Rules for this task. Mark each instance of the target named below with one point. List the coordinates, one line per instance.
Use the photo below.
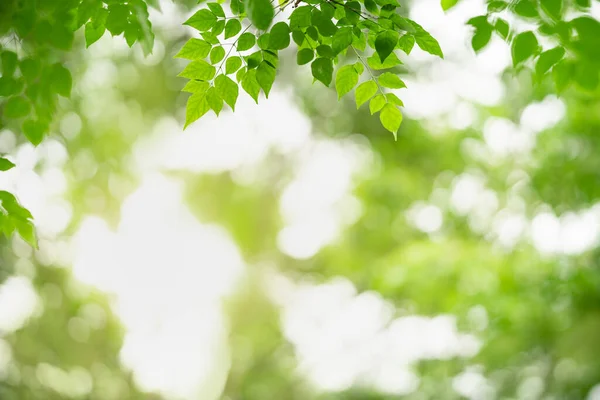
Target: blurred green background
(294, 250)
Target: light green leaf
(202, 20)
(34, 131)
(562, 74)
(305, 56)
(215, 102)
(345, 80)
(227, 89)
(218, 28)
(260, 12)
(198, 69)
(406, 43)
(424, 40)
(246, 41)
(5, 164)
(263, 41)
(194, 86)
(364, 92)
(448, 4)
(377, 103)
(279, 38)
(524, 46)
(216, 9)
(250, 84)
(197, 106)
(194, 49)
(217, 54)
(385, 43)
(232, 64)
(26, 231)
(322, 70)
(391, 61)
(392, 81)
(391, 118)
(232, 28)
(359, 67)
(393, 99)
(265, 76)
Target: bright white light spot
(465, 192)
(537, 117)
(473, 385)
(594, 393)
(18, 301)
(545, 233)
(425, 217)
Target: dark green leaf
(298, 37)
(325, 51)
(325, 26)
(547, 59)
(93, 33)
(9, 63)
(16, 107)
(553, 8)
(562, 73)
(353, 11)
(30, 68)
(322, 70)
(34, 131)
(385, 43)
(5, 164)
(300, 17)
(371, 7)
(304, 56)
(526, 8)
(263, 41)
(116, 22)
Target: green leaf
(9, 63)
(263, 41)
(216, 9)
(217, 54)
(391, 61)
(393, 99)
(364, 92)
(325, 51)
(61, 80)
(562, 74)
(254, 59)
(227, 89)
(194, 49)
(502, 28)
(260, 12)
(547, 59)
(322, 70)
(392, 81)
(298, 37)
(304, 56)
(30, 68)
(279, 38)
(342, 39)
(359, 67)
(116, 22)
(246, 41)
(372, 7)
(300, 17)
(232, 64)
(359, 41)
(526, 8)
(198, 69)
(202, 20)
(553, 8)
(448, 4)
(345, 80)
(210, 37)
(16, 107)
(240, 74)
(215, 102)
(406, 43)
(232, 28)
(586, 75)
(312, 33)
(265, 76)
(9, 86)
(425, 41)
(250, 84)
(194, 86)
(237, 7)
(26, 231)
(353, 11)
(218, 27)
(391, 118)
(93, 32)
(197, 106)
(496, 6)
(524, 46)
(34, 131)
(271, 58)
(377, 103)
(5, 164)
(323, 23)
(385, 43)
(482, 36)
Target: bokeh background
(294, 250)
